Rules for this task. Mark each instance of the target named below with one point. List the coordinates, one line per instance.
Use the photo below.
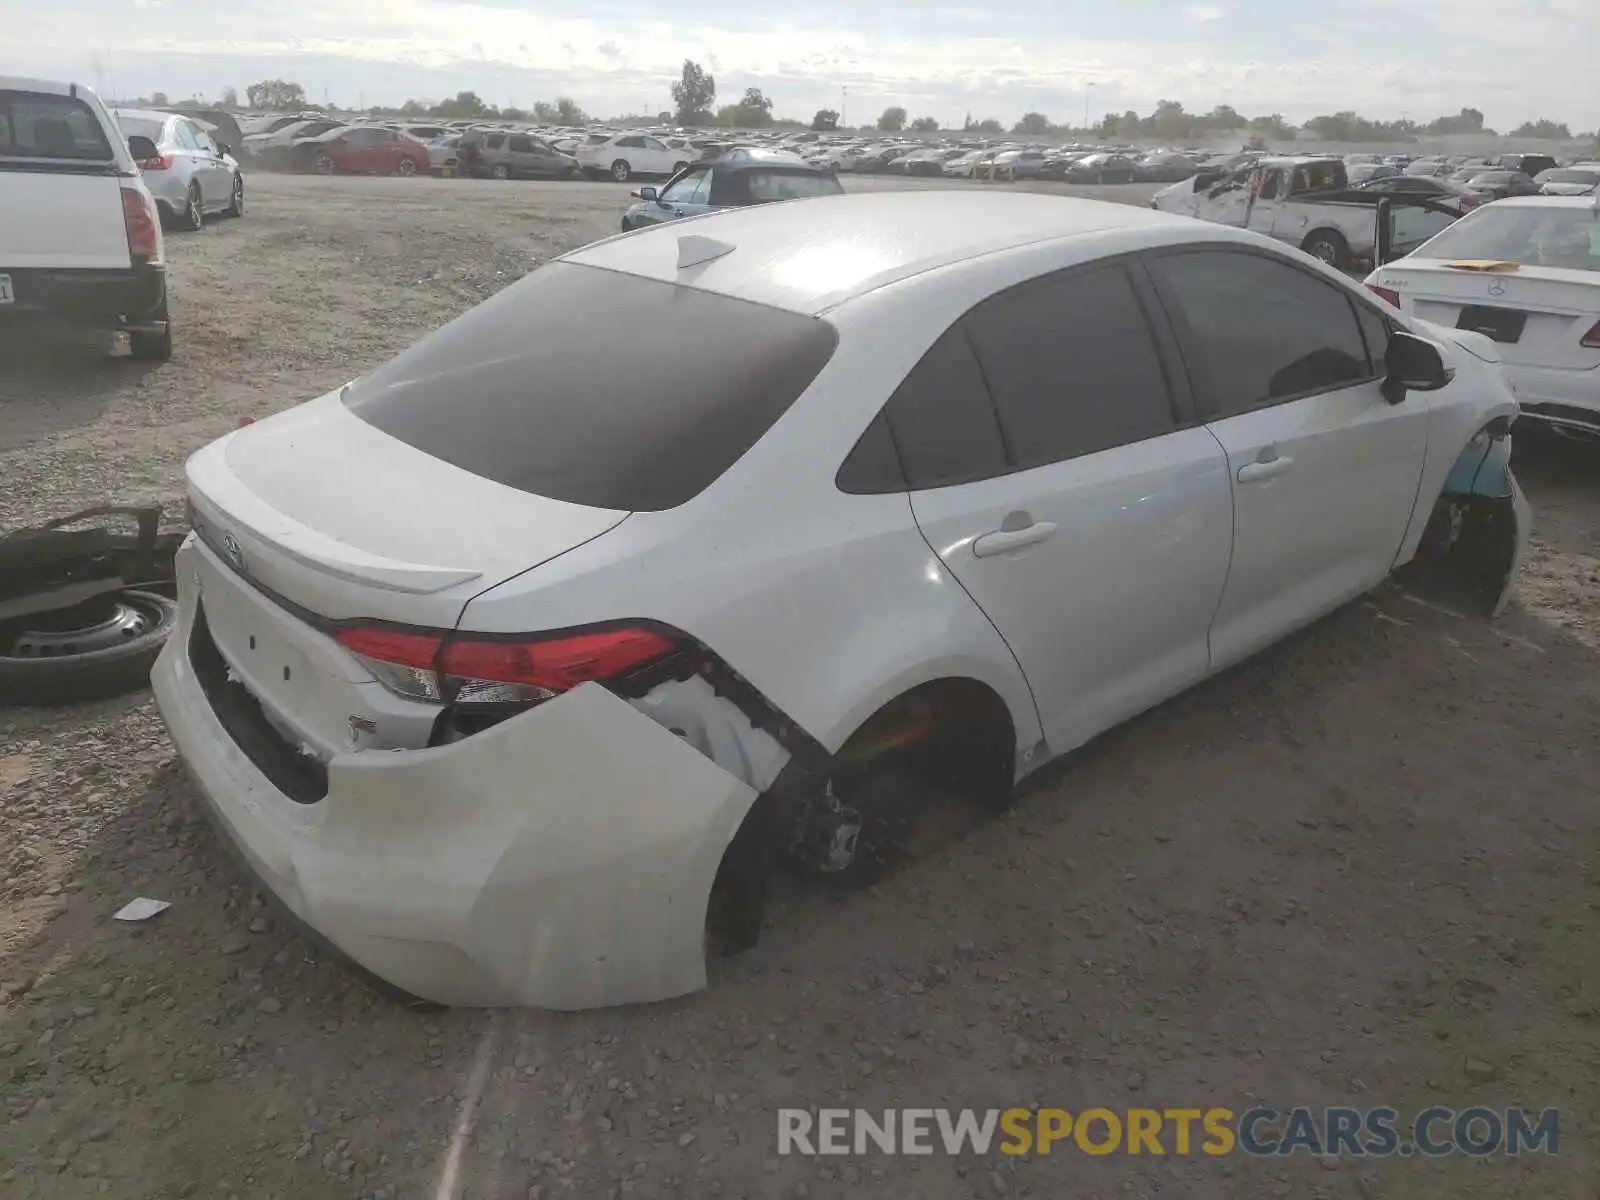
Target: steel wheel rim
(129, 619)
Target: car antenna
(694, 250)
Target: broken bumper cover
(562, 859)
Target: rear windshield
(38, 125)
(1535, 235)
(140, 127)
(597, 387)
(1569, 175)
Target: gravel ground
(1359, 869)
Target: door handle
(1251, 472)
(1003, 540)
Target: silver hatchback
(191, 174)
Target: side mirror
(1413, 364)
(142, 148)
(224, 148)
(648, 195)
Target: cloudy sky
(1513, 59)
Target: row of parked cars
(1477, 177)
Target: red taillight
(1592, 338)
(139, 219)
(412, 663)
(161, 162)
(1388, 295)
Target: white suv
(625, 155)
(80, 237)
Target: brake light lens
(140, 222)
(1387, 295)
(1592, 338)
(475, 670)
(161, 162)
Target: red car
(364, 150)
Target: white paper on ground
(140, 909)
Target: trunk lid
(1558, 306)
(332, 515)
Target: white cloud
(1514, 59)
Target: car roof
(803, 257)
(1584, 202)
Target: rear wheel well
(956, 733)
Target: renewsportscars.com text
(1258, 1132)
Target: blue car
(738, 178)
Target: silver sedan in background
(191, 174)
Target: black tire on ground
(1329, 246)
(621, 171)
(324, 163)
(236, 208)
(886, 802)
(109, 671)
(153, 347)
(193, 216)
(406, 167)
(500, 171)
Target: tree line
(694, 99)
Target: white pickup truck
(1304, 201)
(80, 239)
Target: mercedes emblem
(1497, 288)
(230, 546)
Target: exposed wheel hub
(125, 621)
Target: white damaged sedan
(514, 664)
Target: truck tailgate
(62, 220)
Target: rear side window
(495, 140)
(575, 383)
(791, 185)
(1072, 366)
(943, 423)
(1263, 331)
(521, 145)
(41, 126)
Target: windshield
(38, 125)
(1568, 175)
(1535, 235)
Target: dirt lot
(1361, 869)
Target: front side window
(686, 187)
(1261, 331)
(521, 145)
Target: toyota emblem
(230, 546)
(1497, 288)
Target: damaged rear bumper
(562, 859)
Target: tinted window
(1260, 330)
(943, 422)
(535, 390)
(873, 467)
(1375, 334)
(632, 143)
(522, 145)
(1072, 366)
(36, 125)
(495, 140)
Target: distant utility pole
(844, 103)
(1088, 91)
